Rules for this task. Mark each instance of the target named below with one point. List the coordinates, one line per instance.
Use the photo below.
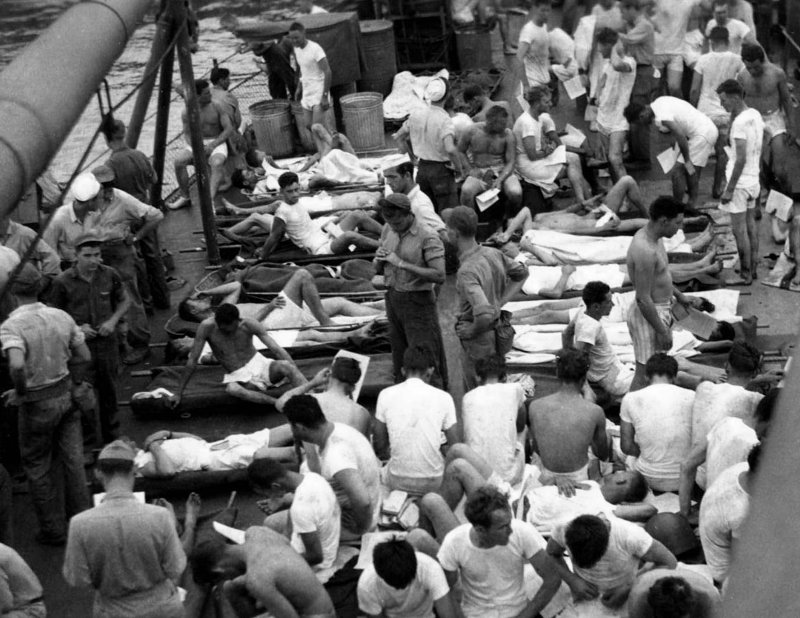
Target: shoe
(136, 356)
(179, 203)
(52, 540)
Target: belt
(430, 162)
(48, 392)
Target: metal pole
(193, 118)
(45, 89)
(162, 125)
(162, 37)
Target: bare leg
(752, 233)
(321, 336)
(339, 245)
(674, 80)
(316, 116)
(740, 233)
(341, 306)
(616, 143)
(280, 370)
(258, 221)
(280, 523)
(422, 541)
(548, 316)
(439, 516)
(471, 188)
(322, 139)
(513, 191)
(626, 188)
(231, 292)
(722, 161)
(639, 378)
(521, 222)
(183, 159)
(575, 175)
(216, 164)
(678, 176)
(300, 289)
(240, 392)
(358, 219)
(560, 287)
(693, 184)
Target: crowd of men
(524, 503)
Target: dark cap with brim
(399, 201)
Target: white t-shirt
(348, 449)
(315, 509)
(684, 115)
(415, 414)
(671, 20)
(722, 512)
(737, 31)
(713, 402)
(661, 415)
(627, 543)
(608, 18)
(749, 126)
(716, 67)
(376, 597)
(489, 414)
(729, 443)
(308, 58)
(537, 59)
(616, 94)
(548, 507)
(603, 361)
(491, 579)
(300, 229)
(528, 126)
(422, 207)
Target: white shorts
(221, 149)
(670, 62)
(744, 198)
(312, 94)
(289, 316)
(774, 125)
(255, 372)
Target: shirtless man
(650, 319)
(216, 128)
(293, 219)
(479, 104)
(248, 373)
(265, 573)
(491, 148)
(564, 425)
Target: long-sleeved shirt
(19, 237)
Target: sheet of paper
(573, 138)
(232, 534)
(780, 205)
(487, 199)
(591, 113)
(363, 362)
(574, 87)
(98, 498)
(667, 159)
(368, 543)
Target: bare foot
(193, 504)
(179, 203)
(164, 503)
(568, 269)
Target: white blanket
(407, 94)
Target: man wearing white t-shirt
(605, 553)
(410, 418)
(738, 31)
(494, 414)
(490, 553)
(533, 52)
(613, 95)
(723, 510)
(344, 458)
(402, 583)
(711, 69)
(312, 522)
(656, 425)
(742, 175)
(695, 136)
(314, 85)
(671, 21)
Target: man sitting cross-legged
(297, 306)
(248, 373)
(564, 425)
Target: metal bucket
(272, 124)
(362, 114)
(298, 112)
(379, 54)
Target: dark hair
(730, 86)
(671, 597)
(226, 314)
(497, 111)
(472, 91)
(218, 74)
(112, 128)
(661, 364)
(719, 34)
(200, 85)
(346, 369)
(629, 4)
(595, 292)
(94, 244)
(752, 52)
(482, 503)
(607, 36)
(666, 206)
(304, 410)
(633, 111)
(587, 540)
(395, 562)
(725, 331)
(264, 471)
(744, 358)
(463, 220)
(115, 466)
(287, 179)
(492, 365)
(765, 409)
(754, 458)
(204, 558)
(536, 94)
(297, 26)
(572, 365)
(417, 359)
(637, 488)
(407, 167)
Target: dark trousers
(104, 377)
(156, 274)
(6, 511)
(50, 433)
(639, 135)
(438, 181)
(123, 258)
(414, 320)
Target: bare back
(763, 93)
(648, 266)
(232, 351)
(340, 409)
(564, 427)
(274, 567)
